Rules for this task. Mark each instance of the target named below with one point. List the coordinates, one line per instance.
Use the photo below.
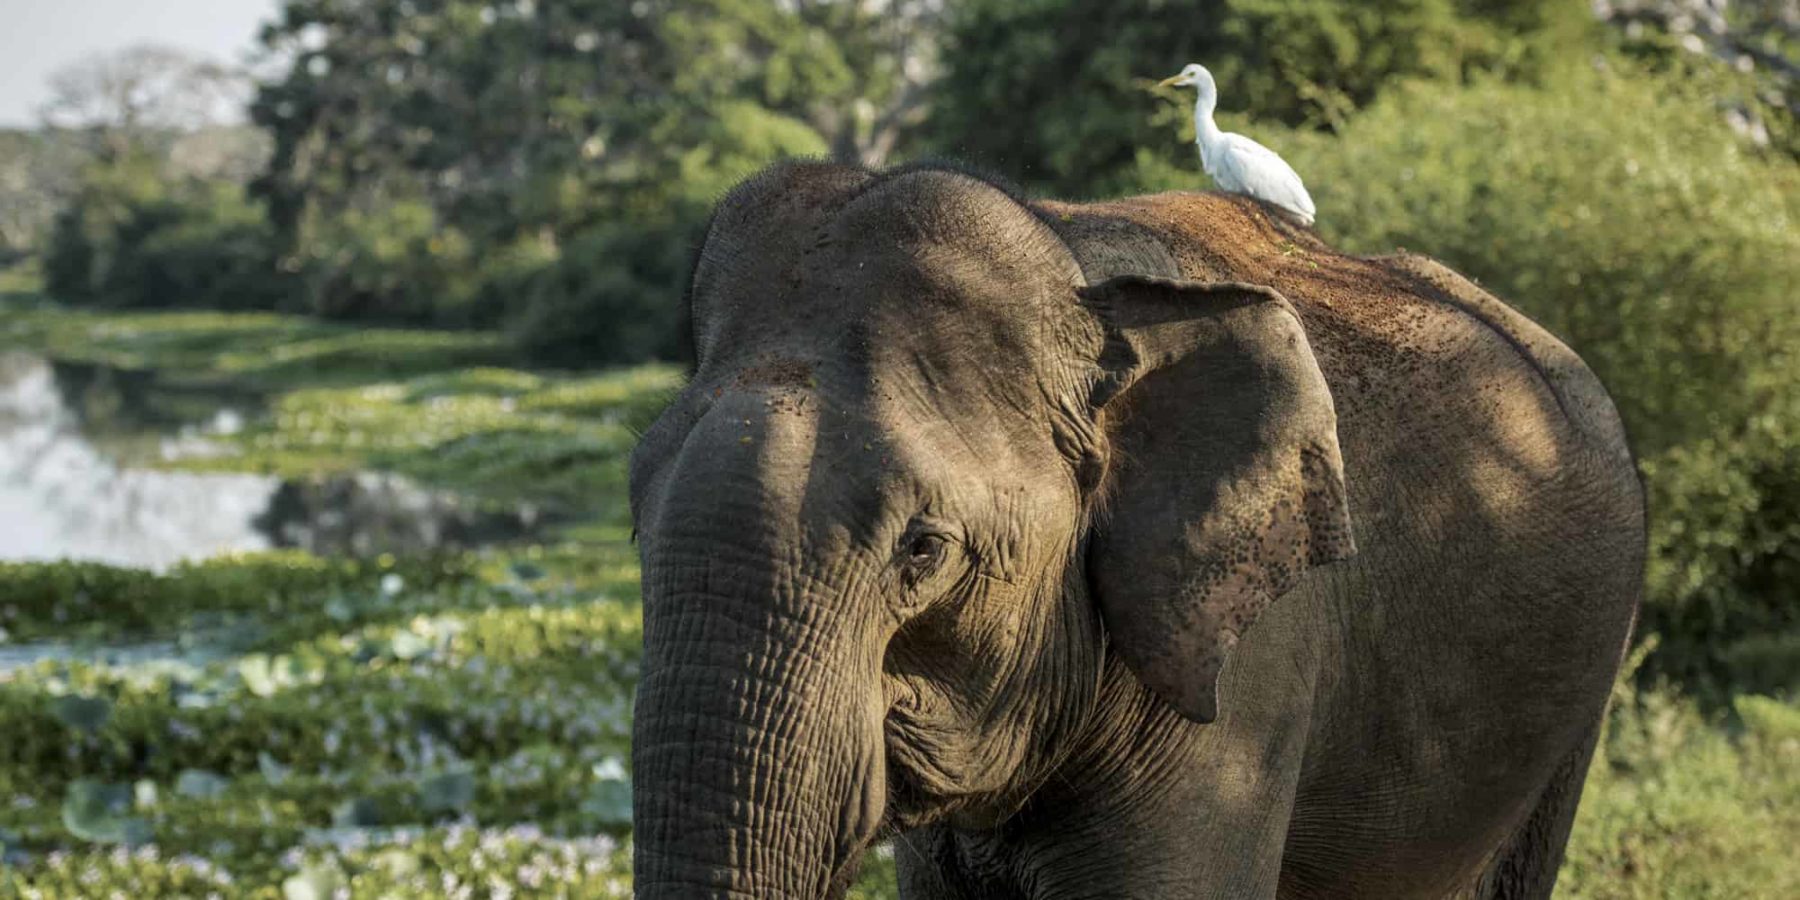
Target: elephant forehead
(962, 218)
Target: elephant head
(924, 480)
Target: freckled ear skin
(1225, 483)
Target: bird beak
(1171, 81)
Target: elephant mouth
(929, 778)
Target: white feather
(1238, 164)
(1243, 166)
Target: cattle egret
(1237, 163)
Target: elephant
(1142, 548)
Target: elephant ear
(1225, 482)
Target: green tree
(132, 236)
(1056, 93)
(471, 162)
(1618, 209)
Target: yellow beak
(1169, 81)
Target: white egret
(1237, 163)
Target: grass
(459, 726)
(340, 398)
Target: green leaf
(258, 675)
(397, 863)
(408, 646)
(85, 714)
(359, 812)
(96, 811)
(143, 793)
(609, 803)
(272, 770)
(314, 881)
(200, 784)
(449, 792)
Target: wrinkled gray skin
(959, 531)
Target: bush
(1057, 93)
(131, 238)
(393, 262)
(1621, 213)
(45, 598)
(614, 294)
(1725, 557)
(1677, 805)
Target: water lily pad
(11, 853)
(87, 714)
(450, 792)
(398, 863)
(200, 784)
(525, 571)
(98, 812)
(360, 812)
(610, 769)
(314, 881)
(609, 803)
(272, 770)
(408, 646)
(258, 675)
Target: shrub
(1020, 91)
(1621, 213)
(44, 598)
(131, 238)
(1678, 806)
(392, 262)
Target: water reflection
(74, 441)
(61, 496)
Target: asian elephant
(1146, 549)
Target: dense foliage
(278, 725)
(541, 171)
(132, 236)
(1071, 115)
(1665, 252)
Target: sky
(40, 36)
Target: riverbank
(423, 725)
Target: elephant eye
(923, 554)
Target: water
(77, 444)
(62, 496)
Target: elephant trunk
(757, 759)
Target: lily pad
(86, 714)
(200, 784)
(408, 646)
(609, 803)
(450, 792)
(399, 864)
(144, 794)
(314, 881)
(360, 812)
(98, 812)
(272, 770)
(258, 675)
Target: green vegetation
(1680, 804)
(536, 176)
(1071, 116)
(401, 727)
(1666, 254)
